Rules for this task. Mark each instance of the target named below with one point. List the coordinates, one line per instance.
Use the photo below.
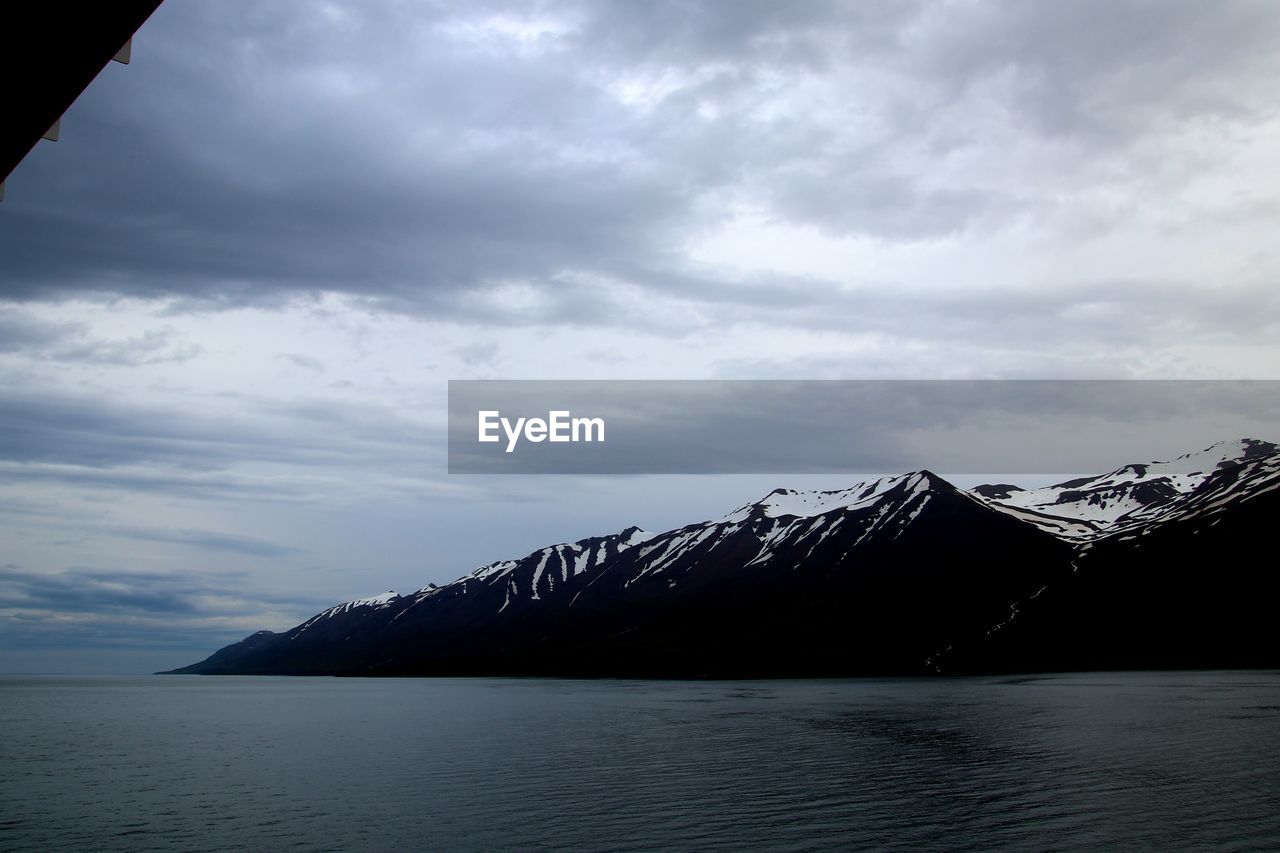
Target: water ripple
(1152, 761)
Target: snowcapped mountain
(1090, 506)
(1175, 570)
(900, 574)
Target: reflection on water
(1134, 760)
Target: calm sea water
(1149, 760)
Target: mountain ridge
(905, 574)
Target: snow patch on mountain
(376, 602)
(783, 503)
(1092, 506)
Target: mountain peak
(1234, 450)
(1095, 504)
(801, 504)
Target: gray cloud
(21, 332)
(1109, 70)
(214, 485)
(208, 540)
(305, 362)
(87, 590)
(155, 346)
(96, 609)
(381, 154)
(90, 431)
(348, 208)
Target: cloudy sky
(232, 294)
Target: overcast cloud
(232, 293)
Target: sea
(1115, 761)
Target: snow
(574, 557)
(675, 547)
(783, 503)
(829, 531)
(493, 569)
(537, 573)
(636, 537)
(1100, 505)
(818, 524)
(920, 505)
(1109, 496)
(777, 533)
(1080, 511)
(376, 601)
(1067, 528)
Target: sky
(232, 294)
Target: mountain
(1178, 572)
(1156, 564)
(1089, 506)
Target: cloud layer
(506, 163)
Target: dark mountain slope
(1151, 565)
(872, 579)
(1194, 585)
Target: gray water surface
(1117, 760)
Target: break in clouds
(233, 292)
